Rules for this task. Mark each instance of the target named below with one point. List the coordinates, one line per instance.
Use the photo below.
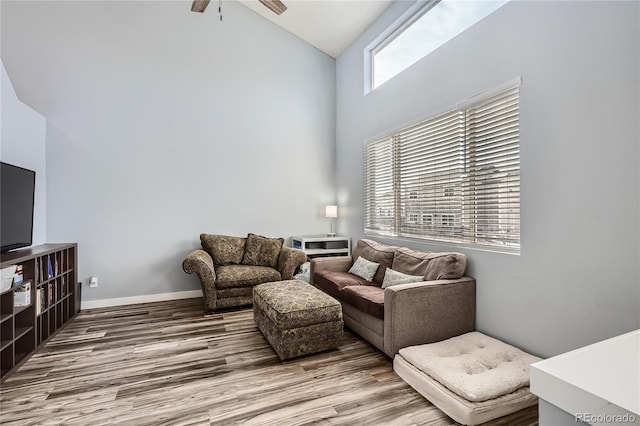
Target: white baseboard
(119, 301)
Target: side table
(322, 245)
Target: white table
(322, 245)
(598, 384)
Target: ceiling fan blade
(275, 5)
(199, 5)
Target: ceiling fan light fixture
(199, 5)
(276, 6)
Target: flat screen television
(17, 188)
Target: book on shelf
(49, 267)
(38, 301)
(50, 292)
(43, 301)
(19, 275)
(22, 295)
(64, 286)
(37, 277)
(56, 271)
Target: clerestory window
(420, 31)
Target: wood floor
(165, 364)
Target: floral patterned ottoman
(296, 318)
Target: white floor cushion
(473, 378)
(474, 366)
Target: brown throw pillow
(262, 251)
(224, 250)
(433, 266)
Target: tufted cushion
(375, 252)
(262, 251)
(432, 266)
(473, 365)
(223, 250)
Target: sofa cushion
(262, 251)
(375, 252)
(224, 250)
(432, 266)
(231, 276)
(333, 282)
(367, 298)
(392, 277)
(364, 268)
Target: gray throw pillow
(392, 277)
(364, 268)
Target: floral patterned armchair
(229, 267)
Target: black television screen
(17, 186)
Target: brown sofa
(229, 267)
(439, 306)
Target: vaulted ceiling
(329, 25)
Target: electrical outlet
(93, 282)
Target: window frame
(398, 203)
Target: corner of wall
(23, 143)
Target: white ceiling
(329, 25)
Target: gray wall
(577, 279)
(163, 123)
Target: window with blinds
(453, 177)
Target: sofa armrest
(427, 312)
(200, 263)
(289, 260)
(332, 263)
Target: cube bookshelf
(50, 275)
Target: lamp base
(331, 234)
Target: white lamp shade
(331, 211)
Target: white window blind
(492, 189)
(379, 186)
(453, 177)
(431, 165)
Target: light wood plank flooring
(165, 364)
